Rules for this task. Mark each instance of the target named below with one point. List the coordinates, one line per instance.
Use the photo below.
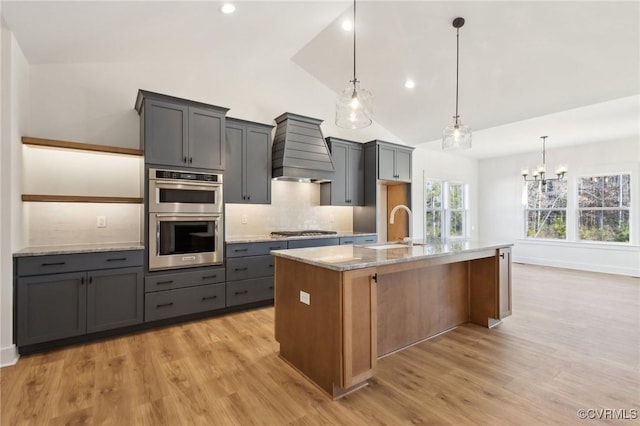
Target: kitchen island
(338, 309)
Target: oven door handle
(194, 216)
(170, 184)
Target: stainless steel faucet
(392, 216)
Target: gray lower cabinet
(175, 294)
(250, 271)
(247, 177)
(359, 239)
(347, 187)
(60, 296)
(313, 242)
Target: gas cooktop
(306, 232)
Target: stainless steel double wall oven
(185, 219)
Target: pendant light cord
(457, 68)
(354, 43)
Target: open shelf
(79, 199)
(80, 146)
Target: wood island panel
(419, 303)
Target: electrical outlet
(243, 219)
(305, 297)
(101, 222)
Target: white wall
(15, 89)
(502, 217)
(433, 164)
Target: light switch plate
(305, 297)
(101, 221)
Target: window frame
(579, 209)
(526, 210)
(445, 210)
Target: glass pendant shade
(353, 107)
(456, 136)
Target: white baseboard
(591, 267)
(9, 356)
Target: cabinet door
(355, 175)
(234, 171)
(258, 166)
(206, 137)
(340, 183)
(51, 307)
(504, 282)
(166, 133)
(403, 165)
(386, 163)
(114, 298)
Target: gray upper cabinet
(347, 187)
(394, 162)
(179, 132)
(247, 177)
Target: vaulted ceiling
(520, 61)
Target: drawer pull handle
(164, 282)
(241, 269)
(209, 297)
(206, 277)
(270, 265)
(270, 287)
(117, 259)
(237, 250)
(274, 248)
(349, 242)
(164, 305)
(238, 293)
(54, 264)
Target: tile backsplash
(294, 206)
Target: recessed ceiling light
(227, 8)
(409, 84)
(347, 25)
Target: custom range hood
(299, 151)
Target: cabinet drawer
(247, 291)
(254, 249)
(242, 268)
(359, 239)
(315, 242)
(39, 265)
(183, 279)
(183, 301)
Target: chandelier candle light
(353, 107)
(539, 173)
(457, 135)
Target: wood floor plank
(572, 342)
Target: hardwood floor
(572, 343)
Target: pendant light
(457, 135)
(353, 107)
(540, 172)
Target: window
(604, 208)
(433, 209)
(445, 209)
(546, 209)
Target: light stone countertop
(267, 237)
(349, 257)
(77, 248)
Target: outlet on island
(243, 219)
(101, 221)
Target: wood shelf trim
(80, 199)
(80, 146)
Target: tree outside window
(604, 204)
(433, 209)
(546, 209)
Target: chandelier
(540, 173)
